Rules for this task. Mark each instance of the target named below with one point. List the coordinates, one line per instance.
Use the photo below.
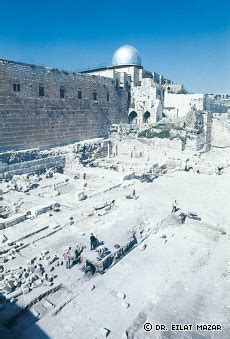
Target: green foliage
(168, 126)
(149, 134)
(142, 134)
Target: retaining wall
(28, 120)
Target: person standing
(67, 259)
(134, 194)
(182, 217)
(93, 242)
(174, 206)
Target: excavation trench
(27, 316)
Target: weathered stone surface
(25, 289)
(121, 295)
(11, 221)
(126, 305)
(104, 332)
(3, 238)
(53, 120)
(35, 211)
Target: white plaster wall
(184, 102)
(108, 73)
(170, 112)
(134, 72)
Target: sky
(187, 41)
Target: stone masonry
(29, 119)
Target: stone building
(219, 103)
(43, 107)
(151, 95)
(178, 105)
(146, 90)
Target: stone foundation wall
(208, 134)
(28, 120)
(199, 125)
(38, 161)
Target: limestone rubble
(148, 266)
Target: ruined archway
(146, 116)
(132, 118)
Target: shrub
(168, 126)
(149, 134)
(142, 134)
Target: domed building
(90, 101)
(145, 89)
(126, 67)
(126, 55)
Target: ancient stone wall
(199, 124)
(37, 161)
(29, 161)
(208, 132)
(146, 101)
(29, 119)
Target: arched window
(62, 92)
(132, 118)
(146, 116)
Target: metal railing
(92, 67)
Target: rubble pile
(38, 271)
(3, 238)
(124, 130)
(84, 154)
(5, 211)
(23, 183)
(119, 192)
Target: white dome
(126, 55)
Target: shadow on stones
(18, 323)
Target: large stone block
(11, 221)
